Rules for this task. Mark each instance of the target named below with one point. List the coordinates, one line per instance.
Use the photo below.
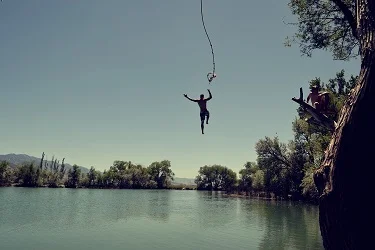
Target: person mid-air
(203, 107)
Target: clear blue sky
(97, 81)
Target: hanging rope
(211, 75)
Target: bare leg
(207, 117)
(202, 115)
(324, 102)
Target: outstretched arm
(189, 98)
(210, 97)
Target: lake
(93, 219)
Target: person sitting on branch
(319, 100)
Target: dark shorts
(203, 114)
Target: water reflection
(286, 225)
(82, 208)
(87, 219)
(123, 205)
(214, 210)
(159, 205)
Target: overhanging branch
(348, 16)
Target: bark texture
(346, 178)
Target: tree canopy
(327, 25)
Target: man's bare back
(204, 113)
(314, 97)
(202, 104)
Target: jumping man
(203, 106)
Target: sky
(98, 81)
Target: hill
(18, 159)
(186, 181)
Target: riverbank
(259, 195)
(183, 187)
(271, 196)
(172, 187)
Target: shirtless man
(319, 100)
(203, 107)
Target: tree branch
(348, 16)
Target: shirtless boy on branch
(319, 100)
(203, 107)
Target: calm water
(151, 219)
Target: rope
(210, 76)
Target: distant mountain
(18, 159)
(186, 181)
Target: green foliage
(271, 152)
(258, 181)
(5, 174)
(122, 174)
(140, 177)
(74, 177)
(323, 25)
(247, 175)
(216, 177)
(251, 178)
(274, 160)
(161, 173)
(309, 190)
(28, 175)
(92, 177)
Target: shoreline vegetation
(172, 187)
(282, 171)
(126, 175)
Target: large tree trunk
(346, 178)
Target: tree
(4, 174)
(74, 176)
(27, 175)
(109, 177)
(205, 178)
(92, 177)
(287, 169)
(344, 178)
(310, 141)
(228, 179)
(161, 173)
(308, 151)
(123, 177)
(258, 181)
(274, 160)
(139, 176)
(62, 170)
(216, 177)
(247, 176)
